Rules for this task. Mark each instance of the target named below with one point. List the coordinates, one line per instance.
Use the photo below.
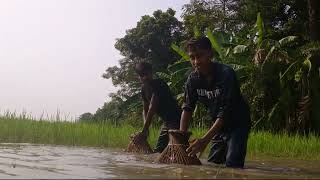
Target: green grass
(17, 130)
(284, 146)
(24, 130)
(269, 145)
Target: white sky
(53, 52)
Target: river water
(62, 162)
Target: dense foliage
(273, 46)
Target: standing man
(216, 86)
(157, 99)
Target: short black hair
(143, 68)
(201, 42)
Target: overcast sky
(53, 52)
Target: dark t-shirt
(222, 96)
(167, 108)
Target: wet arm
(149, 114)
(200, 144)
(145, 111)
(215, 128)
(186, 117)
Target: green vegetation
(274, 47)
(106, 135)
(18, 130)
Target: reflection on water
(61, 162)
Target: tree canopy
(271, 43)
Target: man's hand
(198, 145)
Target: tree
(148, 41)
(110, 111)
(314, 29)
(281, 17)
(86, 117)
(314, 19)
(218, 15)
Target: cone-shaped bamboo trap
(141, 147)
(175, 152)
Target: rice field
(22, 129)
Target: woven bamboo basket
(175, 152)
(140, 147)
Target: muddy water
(61, 162)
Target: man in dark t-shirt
(157, 99)
(216, 86)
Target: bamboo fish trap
(175, 152)
(141, 147)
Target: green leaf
(163, 75)
(260, 28)
(227, 52)
(236, 67)
(179, 73)
(298, 75)
(287, 40)
(179, 65)
(180, 51)
(214, 42)
(274, 111)
(196, 32)
(180, 96)
(307, 63)
(179, 76)
(268, 44)
(196, 111)
(240, 49)
(289, 70)
(273, 48)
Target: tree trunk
(314, 19)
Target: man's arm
(215, 128)
(199, 145)
(230, 90)
(186, 117)
(145, 111)
(149, 113)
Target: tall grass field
(25, 130)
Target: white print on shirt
(209, 94)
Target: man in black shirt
(157, 99)
(216, 86)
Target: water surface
(61, 162)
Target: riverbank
(106, 135)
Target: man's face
(145, 77)
(200, 59)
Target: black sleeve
(190, 96)
(229, 93)
(158, 88)
(143, 96)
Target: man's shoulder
(222, 69)
(158, 83)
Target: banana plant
(293, 66)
